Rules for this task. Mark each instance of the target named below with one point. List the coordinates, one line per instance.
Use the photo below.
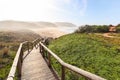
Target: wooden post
(28, 46)
(87, 78)
(46, 55)
(63, 72)
(33, 44)
(21, 55)
(37, 45)
(39, 48)
(19, 66)
(43, 52)
(49, 59)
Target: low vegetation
(17, 36)
(93, 29)
(96, 29)
(94, 53)
(9, 43)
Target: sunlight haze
(75, 11)
(42, 10)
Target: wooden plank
(63, 73)
(35, 68)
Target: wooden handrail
(75, 69)
(17, 63)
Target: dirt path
(107, 35)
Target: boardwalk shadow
(27, 54)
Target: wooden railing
(17, 63)
(87, 75)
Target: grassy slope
(95, 54)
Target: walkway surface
(35, 68)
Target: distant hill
(65, 24)
(17, 36)
(42, 28)
(24, 25)
(13, 25)
(45, 24)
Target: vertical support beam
(39, 48)
(43, 52)
(49, 59)
(33, 45)
(21, 55)
(37, 44)
(28, 46)
(19, 66)
(63, 72)
(46, 55)
(87, 78)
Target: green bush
(118, 28)
(92, 29)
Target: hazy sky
(76, 11)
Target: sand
(50, 32)
(45, 29)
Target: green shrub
(92, 29)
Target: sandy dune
(45, 29)
(50, 32)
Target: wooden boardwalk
(35, 68)
(32, 66)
